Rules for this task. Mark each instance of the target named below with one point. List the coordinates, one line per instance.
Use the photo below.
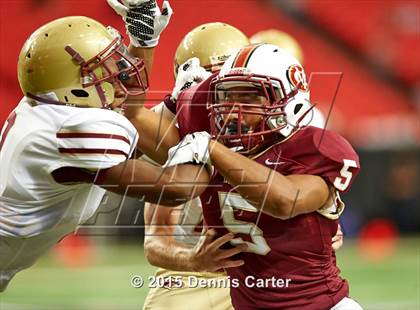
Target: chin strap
(43, 100)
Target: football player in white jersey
(172, 239)
(66, 142)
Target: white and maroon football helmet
(274, 74)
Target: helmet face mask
(117, 66)
(271, 96)
(245, 108)
(88, 65)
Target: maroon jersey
(289, 264)
(191, 108)
(170, 104)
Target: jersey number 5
(228, 203)
(343, 182)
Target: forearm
(145, 53)
(161, 248)
(166, 252)
(156, 134)
(273, 193)
(134, 104)
(168, 186)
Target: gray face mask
(232, 128)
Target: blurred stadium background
(364, 66)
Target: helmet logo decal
(217, 59)
(216, 62)
(297, 78)
(239, 71)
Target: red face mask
(130, 75)
(266, 101)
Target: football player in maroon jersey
(199, 125)
(277, 182)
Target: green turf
(392, 284)
(388, 285)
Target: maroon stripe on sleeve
(91, 135)
(10, 122)
(170, 104)
(91, 151)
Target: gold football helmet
(281, 39)
(79, 62)
(212, 43)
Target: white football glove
(193, 148)
(189, 74)
(143, 19)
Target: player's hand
(143, 20)
(207, 255)
(189, 74)
(338, 239)
(193, 148)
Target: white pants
(5, 277)
(347, 304)
(17, 254)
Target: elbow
(287, 214)
(147, 248)
(283, 208)
(148, 251)
(182, 194)
(184, 182)
(296, 200)
(175, 195)
(282, 213)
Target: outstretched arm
(144, 22)
(168, 186)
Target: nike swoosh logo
(271, 163)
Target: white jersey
(39, 139)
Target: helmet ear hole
(297, 108)
(81, 93)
